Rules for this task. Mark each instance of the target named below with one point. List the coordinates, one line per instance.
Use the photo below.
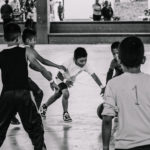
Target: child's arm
(109, 74)
(65, 78)
(106, 131)
(32, 59)
(47, 62)
(97, 80)
(37, 65)
(99, 83)
(110, 71)
(33, 67)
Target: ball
(100, 110)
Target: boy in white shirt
(128, 96)
(75, 66)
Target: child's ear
(27, 40)
(144, 59)
(18, 40)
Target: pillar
(42, 21)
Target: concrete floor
(84, 133)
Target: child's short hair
(80, 52)
(115, 45)
(28, 34)
(11, 31)
(131, 52)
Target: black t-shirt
(60, 9)
(107, 13)
(6, 11)
(14, 68)
(114, 66)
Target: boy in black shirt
(29, 40)
(15, 96)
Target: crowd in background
(21, 10)
(56, 9)
(15, 10)
(25, 10)
(102, 11)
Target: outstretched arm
(99, 83)
(47, 62)
(32, 59)
(109, 75)
(97, 80)
(110, 70)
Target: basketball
(99, 110)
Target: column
(42, 21)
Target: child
(114, 66)
(29, 40)
(129, 94)
(96, 11)
(75, 66)
(15, 96)
(115, 63)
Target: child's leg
(7, 111)
(65, 98)
(31, 120)
(57, 95)
(37, 92)
(53, 98)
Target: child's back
(128, 96)
(132, 96)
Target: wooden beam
(42, 21)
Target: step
(93, 38)
(99, 27)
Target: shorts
(62, 86)
(96, 17)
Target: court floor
(84, 133)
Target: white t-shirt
(74, 70)
(130, 94)
(32, 15)
(15, 5)
(96, 9)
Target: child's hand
(63, 68)
(69, 83)
(72, 78)
(102, 91)
(54, 86)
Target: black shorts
(62, 86)
(96, 17)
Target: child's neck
(12, 44)
(132, 70)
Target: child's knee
(65, 93)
